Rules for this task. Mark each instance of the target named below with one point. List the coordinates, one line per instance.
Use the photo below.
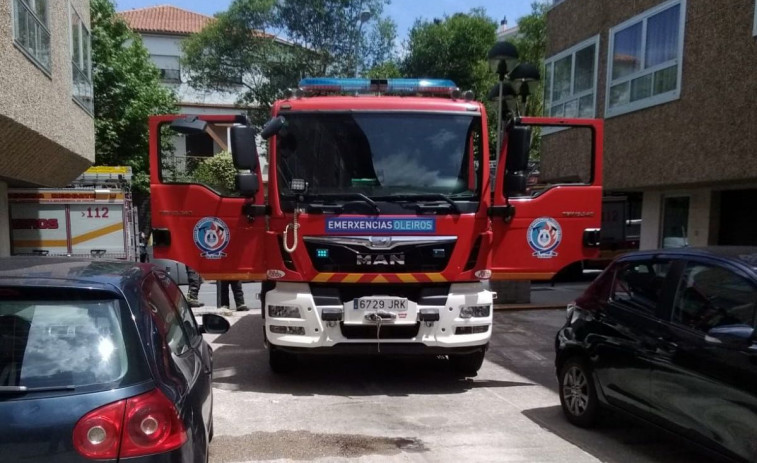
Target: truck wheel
(467, 364)
(280, 362)
(578, 395)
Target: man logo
(381, 259)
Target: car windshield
(60, 343)
(381, 154)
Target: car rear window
(76, 339)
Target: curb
(529, 306)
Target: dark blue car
(101, 361)
(668, 336)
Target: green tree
(217, 172)
(127, 90)
(453, 48)
(322, 37)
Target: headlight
(283, 311)
(468, 311)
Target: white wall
(170, 45)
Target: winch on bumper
(388, 319)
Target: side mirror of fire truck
(273, 127)
(244, 153)
(516, 163)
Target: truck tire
(467, 364)
(280, 362)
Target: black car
(101, 361)
(668, 336)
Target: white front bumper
(321, 334)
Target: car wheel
(467, 364)
(280, 361)
(578, 395)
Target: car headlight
(283, 311)
(468, 311)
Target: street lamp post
(365, 16)
(503, 57)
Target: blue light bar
(384, 86)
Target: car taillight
(98, 433)
(141, 425)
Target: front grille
(427, 294)
(328, 255)
(386, 332)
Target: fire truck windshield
(381, 155)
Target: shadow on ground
(240, 362)
(617, 439)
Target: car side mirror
(244, 151)
(731, 334)
(214, 324)
(273, 127)
(247, 184)
(518, 148)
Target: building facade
(672, 79)
(46, 100)
(162, 29)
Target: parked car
(668, 336)
(101, 360)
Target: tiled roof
(165, 19)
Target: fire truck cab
(379, 228)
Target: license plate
(381, 303)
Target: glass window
(639, 285)
(675, 222)
(80, 62)
(166, 316)
(63, 340)
(570, 81)
(381, 154)
(169, 67)
(177, 298)
(198, 158)
(30, 30)
(646, 56)
(708, 297)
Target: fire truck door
(546, 215)
(198, 216)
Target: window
(571, 81)
(30, 30)
(638, 285)
(169, 67)
(645, 56)
(710, 297)
(81, 62)
(177, 298)
(675, 222)
(166, 317)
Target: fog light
(471, 329)
(278, 329)
(468, 311)
(283, 311)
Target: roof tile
(165, 19)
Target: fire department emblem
(544, 236)
(211, 236)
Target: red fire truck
(379, 230)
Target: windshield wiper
(338, 208)
(10, 390)
(424, 197)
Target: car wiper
(11, 390)
(338, 208)
(424, 197)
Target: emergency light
(320, 85)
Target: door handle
(667, 345)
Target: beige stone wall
(46, 138)
(705, 137)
